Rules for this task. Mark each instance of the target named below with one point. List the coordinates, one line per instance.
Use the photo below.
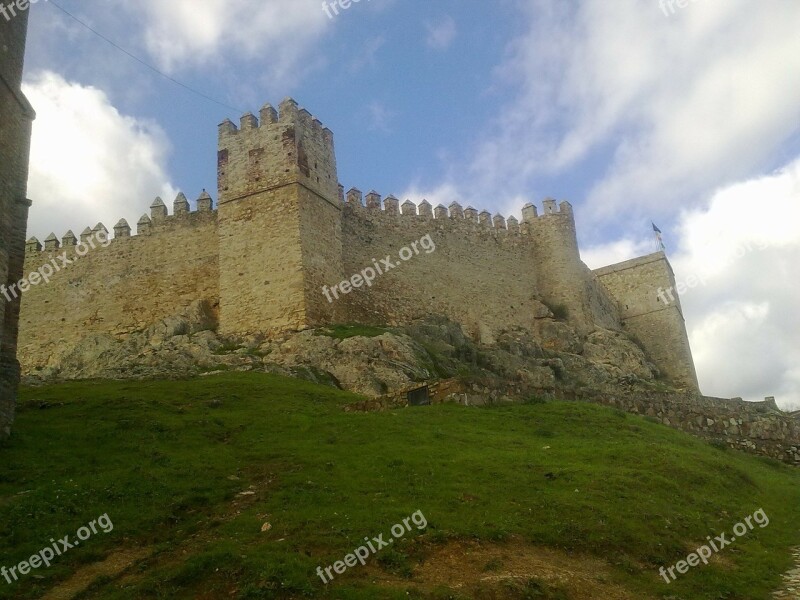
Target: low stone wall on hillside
(754, 427)
(418, 394)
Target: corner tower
(559, 271)
(279, 221)
(651, 311)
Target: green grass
(166, 460)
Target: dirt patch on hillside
(498, 570)
(111, 567)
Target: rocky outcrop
(388, 359)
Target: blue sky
(632, 111)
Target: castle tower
(16, 116)
(280, 227)
(651, 312)
(560, 274)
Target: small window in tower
(255, 155)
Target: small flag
(658, 237)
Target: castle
(284, 230)
(16, 116)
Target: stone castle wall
(660, 328)
(16, 116)
(122, 287)
(284, 231)
(485, 273)
(480, 276)
(564, 280)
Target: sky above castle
(634, 110)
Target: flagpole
(659, 242)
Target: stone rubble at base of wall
(754, 427)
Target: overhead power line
(143, 62)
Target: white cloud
(186, 34)
(610, 253)
(89, 163)
(445, 195)
(238, 51)
(736, 269)
(367, 57)
(442, 33)
(380, 117)
(743, 251)
(678, 105)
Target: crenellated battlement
(355, 202)
(158, 220)
(392, 207)
(280, 147)
(288, 113)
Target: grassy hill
(241, 485)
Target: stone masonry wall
(16, 115)
(261, 263)
(659, 327)
(280, 223)
(321, 232)
(122, 288)
(481, 276)
(563, 279)
(486, 273)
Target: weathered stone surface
(557, 336)
(617, 353)
(16, 115)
